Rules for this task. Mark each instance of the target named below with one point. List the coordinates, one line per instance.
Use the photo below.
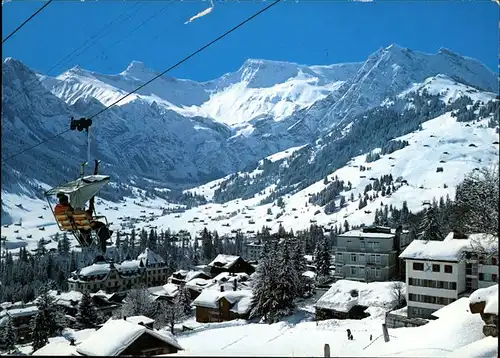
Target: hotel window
(436, 268)
(353, 257)
(353, 270)
(494, 261)
(494, 277)
(448, 268)
(481, 276)
(378, 259)
(418, 266)
(377, 272)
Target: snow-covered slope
(443, 142)
(393, 69)
(458, 331)
(449, 89)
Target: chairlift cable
(75, 52)
(156, 77)
(26, 21)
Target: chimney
(235, 285)
(221, 288)
(72, 342)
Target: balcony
(365, 250)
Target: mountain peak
(137, 68)
(394, 47)
(446, 51)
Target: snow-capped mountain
(183, 132)
(258, 88)
(393, 69)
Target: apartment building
(148, 269)
(370, 254)
(253, 251)
(440, 272)
(481, 268)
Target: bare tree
(168, 314)
(138, 302)
(476, 209)
(398, 292)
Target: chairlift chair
(80, 191)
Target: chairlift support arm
(80, 125)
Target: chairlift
(80, 191)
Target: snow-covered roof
(401, 311)
(139, 319)
(486, 347)
(360, 233)
(169, 290)
(210, 298)
(60, 345)
(180, 272)
(489, 295)
(229, 277)
(128, 265)
(225, 261)
(65, 298)
(373, 294)
(95, 269)
(20, 312)
(243, 304)
(59, 348)
(455, 328)
(102, 293)
(309, 274)
(115, 336)
(149, 257)
(6, 305)
(449, 250)
(461, 303)
(193, 274)
(198, 284)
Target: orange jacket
(62, 209)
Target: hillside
(456, 147)
(181, 133)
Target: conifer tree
(429, 228)
(39, 333)
(8, 335)
(87, 316)
(184, 299)
(264, 284)
(322, 259)
(286, 286)
(207, 245)
(52, 318)
(299, 265)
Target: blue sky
(307, 32)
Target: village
(410, 280)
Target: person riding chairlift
(63, 207)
